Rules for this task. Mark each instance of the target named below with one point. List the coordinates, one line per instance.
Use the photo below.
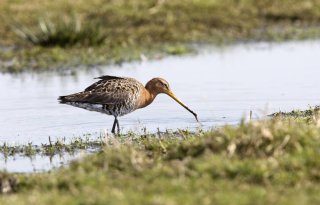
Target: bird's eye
(164, 84)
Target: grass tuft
(69, 32)
(52, 148)
(310, 115)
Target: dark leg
(118, 126)
(114, 125)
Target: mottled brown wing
(103, 78)
(108, 91)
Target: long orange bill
(182, 104)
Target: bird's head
(159, 85)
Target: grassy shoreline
(259, 162)
(64, 34)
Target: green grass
(309, 115)
(52, 147)
(271, 161)
(39, 35)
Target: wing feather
(108, 90)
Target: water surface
(220, 84)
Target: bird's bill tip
(172, 95)
(196, 116)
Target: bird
(118, 96)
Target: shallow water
(36, 163)
(222, 85)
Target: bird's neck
(146, 98)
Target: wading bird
(119, 96)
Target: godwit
(119, 96)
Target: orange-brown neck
(146, 98)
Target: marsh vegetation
(275, 160)
(38, 35)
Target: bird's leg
(117, 121)
(114, 125)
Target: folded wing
(108, 90)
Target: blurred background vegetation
(56, 33)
